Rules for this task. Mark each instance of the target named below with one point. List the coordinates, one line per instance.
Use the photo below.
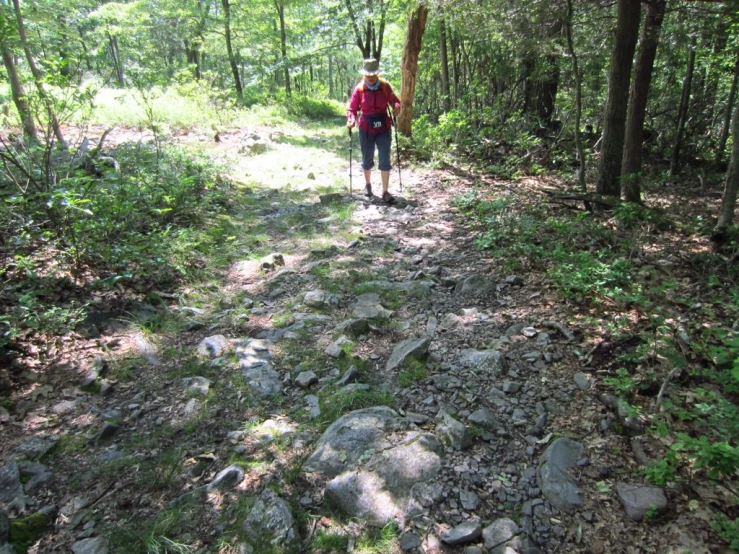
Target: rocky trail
(374, 384)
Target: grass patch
(412, 372)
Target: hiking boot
(388, 198)
(368, 190)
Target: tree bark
(728, 201)
(409, 65)
(19, 95)
(683, 113)
(444, 58)
(727, 114)
(229, 48)
(578, 98)
(631, 166)
(280, 6)
(38, 78)
(117, 62)
(627, 31)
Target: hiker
(371, 97)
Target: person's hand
(396, 111)
(350, 123)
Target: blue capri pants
(367, 142)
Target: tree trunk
(627, 31)
(631, 166)
(578, 99)
(229, 48)
(117, 63)
(38, 77)
(370, 44)
(728, 202)
(455, 66)
(682, 115)
(444, 58)
(409, 65)
(727, 114)
(19, 95)
(280, 6)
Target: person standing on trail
(372, 97)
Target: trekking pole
(397, 147)
(351, 149)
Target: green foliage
(728, 529)
(662, 471)
(312, 107)
(624, 385)
(718, 458)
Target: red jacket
(371, 102)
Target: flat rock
(214, 346)
(383, 490)
(640, 500)
(467, 532)
(412, 348)
(354, 327)
(499, 532)
(226, 479)
(409, 541)
(489, 361)
(582, 381)
(475, 285)
(93, 545)
(553, 478)
(485, 418)
(36, 447)
(10, 483)
(369, 306)
(306, 379)
(197, 385)
(320, 299)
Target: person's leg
(384, 140)
(385, 180)
(367, 144)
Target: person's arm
(352, 108)
(394, 101)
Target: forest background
(622, 103)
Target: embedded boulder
(377, 465)
(270, 524)
(555, 482)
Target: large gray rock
(10, 483)
(499, 532)
(349, 437)
(270, 524)
(466, 532)
(353, 327)
(93, 545)
(369, 306)
(4, 526)
(226, 479)
(254, 359)
(377, 465)
(553, 478)
(474, 285)
(264, 381)
(197, 385)
(35, 476)
(485, 418)
(413, 288)
(35, 447)
(213, 347)
(489, 361)
(383, 490)
(320, 299)
(413, 348)
(640, 500)
(456, 433)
